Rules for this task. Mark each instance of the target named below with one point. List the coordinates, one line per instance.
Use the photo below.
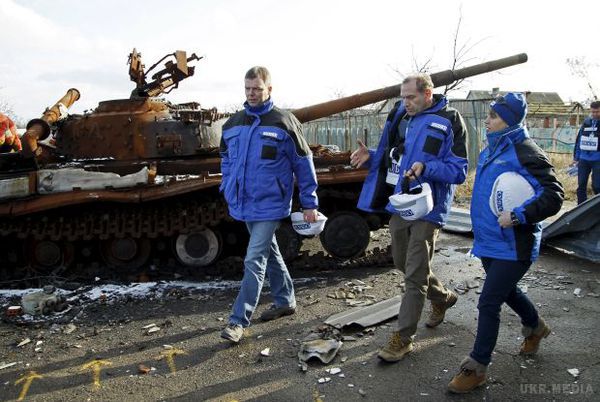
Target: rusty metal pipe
(439, 79)
(39, 129)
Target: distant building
(546, 109)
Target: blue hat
(511, 107)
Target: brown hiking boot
(471, 375)
(533, 337)
(395, 349)
(438, 310)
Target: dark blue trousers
(584, 168)
(500, 287)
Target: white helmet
(510, 190)
(414, 204)
(306, 228)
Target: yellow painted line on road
(26, 380)
(96, 366)
(169, 356)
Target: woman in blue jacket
(507, 241)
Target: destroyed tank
(136, 180)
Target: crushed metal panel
(577, 231)
(458, 221)
(367, 316)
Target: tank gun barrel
(39, 129)
(439, 79)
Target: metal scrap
(367, 316)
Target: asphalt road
(188, 361)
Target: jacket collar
(259, 110)
(515, 134)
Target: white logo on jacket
(270, 134)
(439, 126)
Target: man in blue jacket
(262, 151)
(587, 153)
(422, 138)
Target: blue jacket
(436, 137)
(590, 131)
(511, 150)
(262, 150)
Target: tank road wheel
(346, 235)
(199, 248)
(48, 254)
(288, 240)
(126, 253)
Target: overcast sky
(315, 49)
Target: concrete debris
(143, 369)
(13, 311)
(323, 349)
(362, 392)
(334, 370)
(577, 292)
(359, 303)
(7, 365)
(574, 372)
(565, 309)
(351, 385)
(149, 326)
(323, 380)
(265, 352)
(24, 342)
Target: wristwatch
(514, 219)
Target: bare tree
(461, 55)
(579, 68)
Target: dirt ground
(188, 361)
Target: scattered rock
(24, 342)
(265, 352)
(574, 372)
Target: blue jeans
(262, 257)
(500, 287)
(584, 168)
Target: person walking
(423, 140)
(262, 151)
(512, 169)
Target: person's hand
(310, 215)
(504, 220)
(415, 170)
(360, 156)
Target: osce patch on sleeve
(270, 134)
(439, 126)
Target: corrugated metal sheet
(458, 221)
(577, 231)
(367, 316)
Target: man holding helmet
(515, 189)
(424, 140)
(262, 152)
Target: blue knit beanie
(511, 107)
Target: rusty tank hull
(134, 184)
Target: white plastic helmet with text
(510, 190)
(307, 228)
(414, 204)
